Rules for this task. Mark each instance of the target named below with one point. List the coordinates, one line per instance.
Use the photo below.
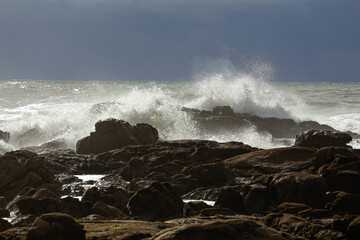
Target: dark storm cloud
(160, 40)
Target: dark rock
(291, 207)
(4, 136)
(343, 180)
(112, 134)
(232, 199)
(107, 211)
(256, 199)
(299, 187)
(271, 161)
(23, 220)
(113, 196)
(230, 229)
(56, 226)
(156, 201)
(22, 169)
(322, 138)
(223, 111)
(342, 202)
(4, 225)
(293, 224)
(353, 230)
(193, 208)
(74, 207)
(210, 174)
(4, 213)
(216, 211)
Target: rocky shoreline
(308, 191)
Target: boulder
(5, 136)
(232, 199)
(56, 226)
(112, 134)
(230, 229)
(299, 187)
(322, 138)
(156, 201)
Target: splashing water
(35, 112)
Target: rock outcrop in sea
(185, 189)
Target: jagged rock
(322, 138)
(156, 201)
(112, 134)
(56, 226)
(4, 136)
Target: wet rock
(74, 207)
(353, 230)
(293, 224)
(230, 229)
(256, 199)
(322, 138)
(343, 180)
(113, 196)
(291, 207)
(213, 211)
(5, 136)
(22, 169)
(223, 111)
(157, 201)
(4, 225)
(210, 174)
(342, 202)
(107, 211)
(232, 199)
(56, 226)
(299, 187)
(194, 207)
(112, 134)
(31, 137)
(271, 161)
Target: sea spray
(35, 112)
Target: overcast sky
(304, 40)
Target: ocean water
(39, 111)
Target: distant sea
(39, 111)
